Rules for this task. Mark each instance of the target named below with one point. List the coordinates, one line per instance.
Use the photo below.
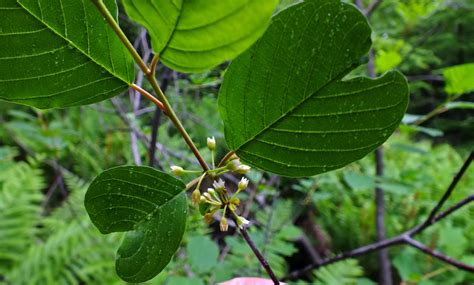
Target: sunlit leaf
(195, 35)
(60, 53)
(459, 79)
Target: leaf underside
(151, 206)
(195, 35)
(285, 106)
(60, 54)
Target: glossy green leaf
(150, 205)
(195, 35)
(60, 54)
(459, 79)
(285, 105)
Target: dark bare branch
(407, 237)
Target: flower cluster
(218, 198)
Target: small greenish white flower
(243, 169)
(241, 222)
(224, 225)
(211, 143)
(244, 182)
(196, 197)
(219, 185)
(177, 170)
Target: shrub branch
(407, 237)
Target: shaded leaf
(359, 181)
(415, 129)
(195, 35)
(284, 105)
(60, 53)
(150, 206)
(202, 254)
(344, 272)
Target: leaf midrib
(73, 44)
(153, 213)
(334, 79)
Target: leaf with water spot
(147, 204)
(285, 105)
(60, 54)
(195, 35)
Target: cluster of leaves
(428, 41)
(335, 122)
(303, 106)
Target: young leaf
(285, 106)
(60, 53)
(195, 35)
(150, 205)
(459, 79)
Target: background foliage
(48, 158)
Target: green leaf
(285, 106)
(358, 181)
(195, 35)
(150, 205)
(344, 272)
(202, 254)
(460, 105)
(459, 79)
(418, 129)
(60, 54)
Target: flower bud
(211, 143)
(241, 222)
(177, 170)
(208, 197)
(233, 165)
(244, 182)
(235, 201)
(243, 169)
(213, 194)
(224, 225)
(208, 218)
(196, 197)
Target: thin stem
(114, 25)
(212, 159)
(260, 257)
(154, 64)
(226, 158)
(151, 78)
(385, 274)
(431, 218)
(150, 97)
(372, 7)
(454, 208)
(177, 123)
(438, 255)
(157, 116)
